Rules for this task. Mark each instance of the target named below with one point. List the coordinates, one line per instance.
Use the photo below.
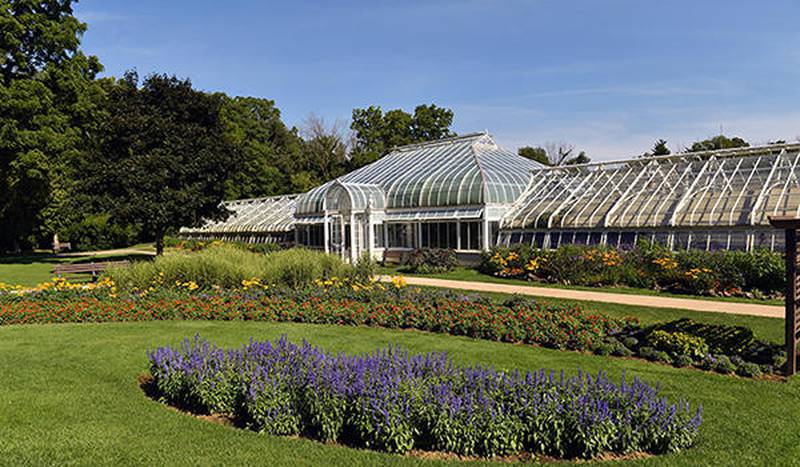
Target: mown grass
(470, 274)
(32, 269)
(70, 396)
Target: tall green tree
(270, 151)
(324, 154)
(49, 106)
(718, 142)
(554, 154)
(537, 154)
(376, 132)
(163, 159)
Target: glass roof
(463, 171)
(734, 187)
(272, 214)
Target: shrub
(228, 266)
(98, 232)
(681, 361)
(431, 261)
(191, 244)
(647, 265)
(749, 370)
(678, 343)
(392, 401)
(724, 365)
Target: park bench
(92, 268)
(395, 256)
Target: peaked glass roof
(272, 214)
(735, 187)
(462, 171)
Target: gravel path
(713, 306)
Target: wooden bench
(395, 256)
(61, 270)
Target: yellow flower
(666, 263)
(399, 281)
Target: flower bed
(683, 343)
(754, 274)
(559, 326)
(392, 401)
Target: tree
(269, 149)
(324, 153)
(718, 142)
(535, 154)
(660, 148)
(49, 105)
(163, 159)
(376, 133)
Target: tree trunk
(159, 244)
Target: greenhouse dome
(449, 193)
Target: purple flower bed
(393, 401)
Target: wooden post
(790, 226)
(791, 301)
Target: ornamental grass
(393, 401)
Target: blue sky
(608, 76)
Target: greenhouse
(450, 193)
(703, 200)
(467, 194)
(258, 220)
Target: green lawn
(70, 396)
(32, 269)
(470, 274)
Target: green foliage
(718, 142)
(431, 261)
(748, 370)
(724, 339)
(49, 102)
(376, 132)
(535, 154)
(163, 160)
(97, 232)
(647, 265)
(228, 266)
(197, 245)
(269, 150)
(365, 268)
(678, 343)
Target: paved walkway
(713, 306)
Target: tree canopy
(269, 150)
(49, 101)
(376, 133)
(162, 159)
(554, 154)
(718, 142)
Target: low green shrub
(431, 261)
(228, 266)
(190, 244)
(757, 273)
(724, 365)
(678, 343)
(748, 370)
(682, 361)
(98, 232)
